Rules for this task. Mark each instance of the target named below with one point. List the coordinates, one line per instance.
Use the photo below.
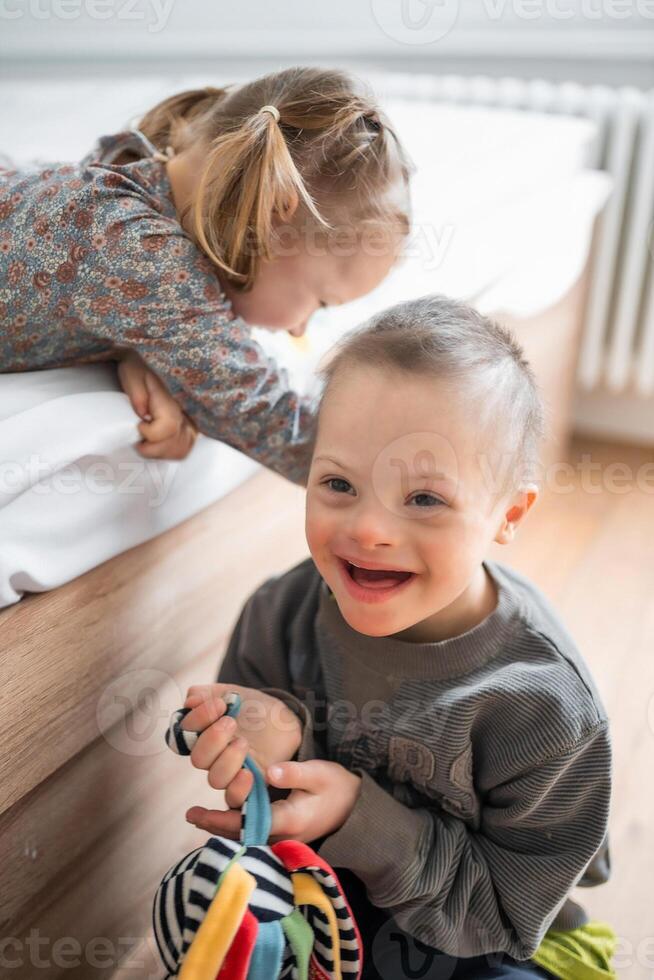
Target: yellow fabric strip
(216, 932)
(579, 954)
(307, 891)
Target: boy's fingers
(289, 817)
(203, 714)
(307, 775)
(204, 690)
(227, 762)
(193, 700)
(223, 823)
(207, 691)
(239, 789)
(210, 747)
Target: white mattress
(74, 491)
(504, 207)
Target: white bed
(504, 210)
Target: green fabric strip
(579, 954)
(300, 936)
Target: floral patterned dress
(93, 259)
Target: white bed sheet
(73, 489)
(504, 206)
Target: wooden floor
(591, 550)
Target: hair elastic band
(272, 109)
(164, 156)
(156, 154)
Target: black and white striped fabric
(350, 951)
(177, 739)
(181, 742)
(187, 889)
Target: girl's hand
(322, 797)
(166, 431)
(265, 728)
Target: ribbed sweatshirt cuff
(379, 842)
(307, 748)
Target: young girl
(251, 204)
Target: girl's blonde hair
(331, 160)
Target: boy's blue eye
(425, 500)
(338, 485)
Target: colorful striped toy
(250, 910)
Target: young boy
(446, 750)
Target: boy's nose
(370, 529)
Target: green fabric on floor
(579, 954)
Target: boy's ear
(516, 510)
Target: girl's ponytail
(164, 122)
(249, 178)
(301, 145)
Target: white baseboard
(620, 417)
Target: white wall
(597, 40)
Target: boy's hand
(265, 728)
(322, 797)
(166, 431)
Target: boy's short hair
(447, 340)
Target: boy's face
(402, 506)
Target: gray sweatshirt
(485, 759)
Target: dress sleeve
(146, 287)
(496, 889)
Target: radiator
(617, 347)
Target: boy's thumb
(294, 775)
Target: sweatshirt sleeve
(148, 288)
(256, 656)
(497, 888)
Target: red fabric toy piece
(237, 961)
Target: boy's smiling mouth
(370, 582)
